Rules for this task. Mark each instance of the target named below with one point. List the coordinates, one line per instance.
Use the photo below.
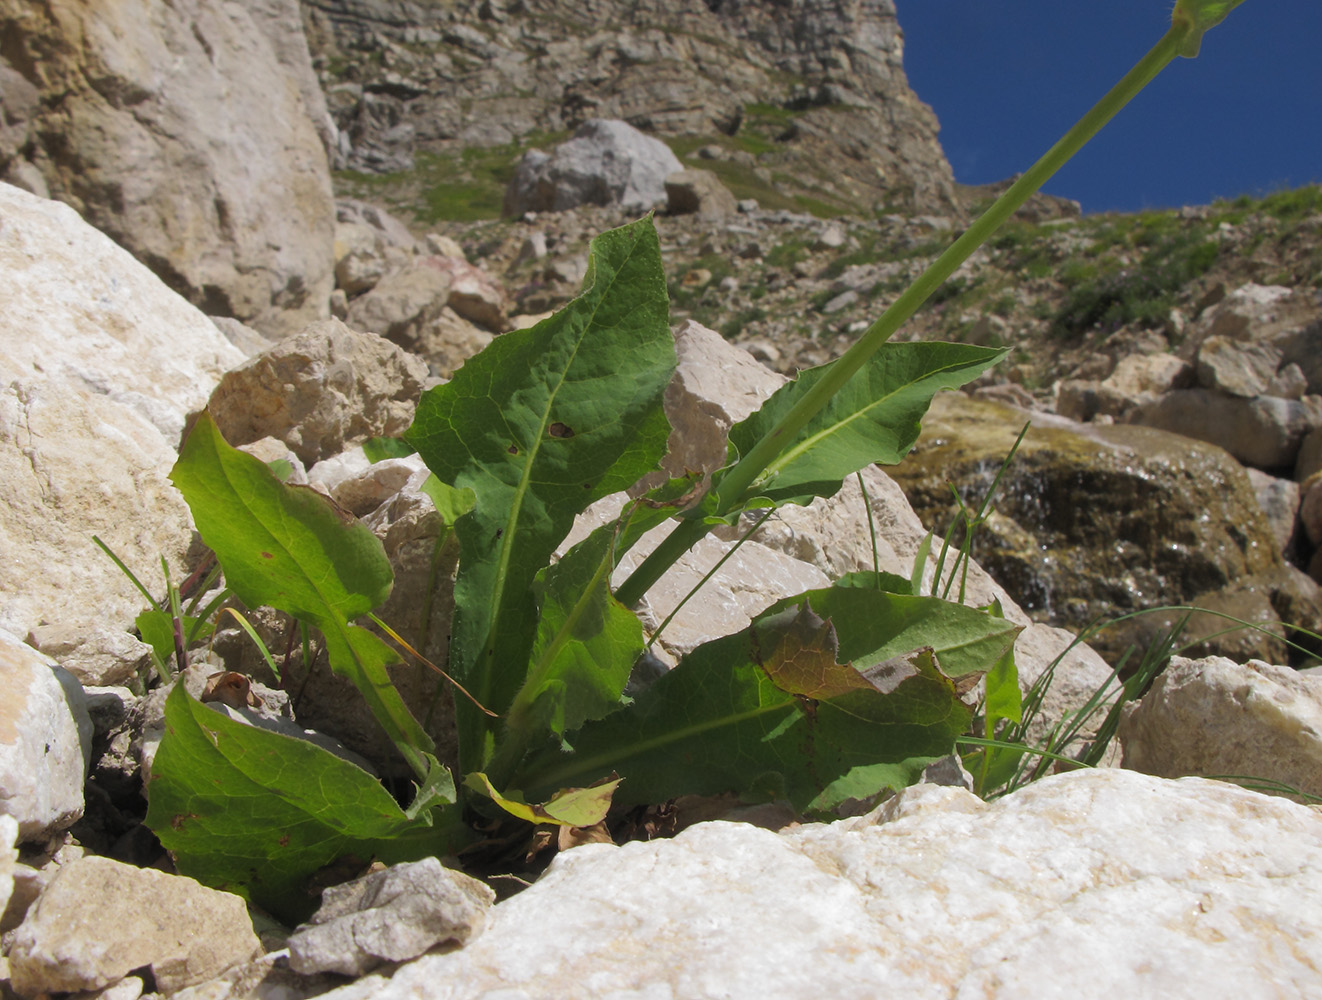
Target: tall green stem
(739, 483)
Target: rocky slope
(808, 97)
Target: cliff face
(812, 93)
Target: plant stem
(736, 486)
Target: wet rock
(1224, 901)
(390, 916)
(99, 365)
(320, 391)
(700, 193)
(45, 741)
(1213, 716)
(98, 919)
(1091, 522)
(606, 162)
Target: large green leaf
(292, 548)
(539, 425)
(874, 418)
(768, 711)
(876, 626)
(256, 812)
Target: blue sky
(1008, 77)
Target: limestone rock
(99, 365)
(1250, 312)
(448, 341)
(402, 305)
(1279, 500)
(1215, 717)
(388, 230)
(933, 895)
(1310, 510)
(474, 294)
(700, 193)
(1309, 461)
(98, 919)
(1265, 431)
(45, 741)
(97, 657)
(1237, 369)
(320, 391)
(8, 855)
(607, 162)
(133, 100)
(390, 916)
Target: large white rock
(186, 131)
(1088, 884)
(45, 741)
(99, 364)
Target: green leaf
(585, 647)
(876, 626)
(772, 709)
(256, 812)
(577, 807)
(157, 631)
(867, 579)
(1004, 700)
(378, 449)
(1194, 17)
(539, 425)
(994, 766)
(292, 548)
(450, 503)
(874, 418)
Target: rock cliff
(807, 95)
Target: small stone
(390, 916)
(832, 237)
(444, 246)
(96, 656)
(842, 301)
(99, 919)
(700, 193)
(45, 741)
